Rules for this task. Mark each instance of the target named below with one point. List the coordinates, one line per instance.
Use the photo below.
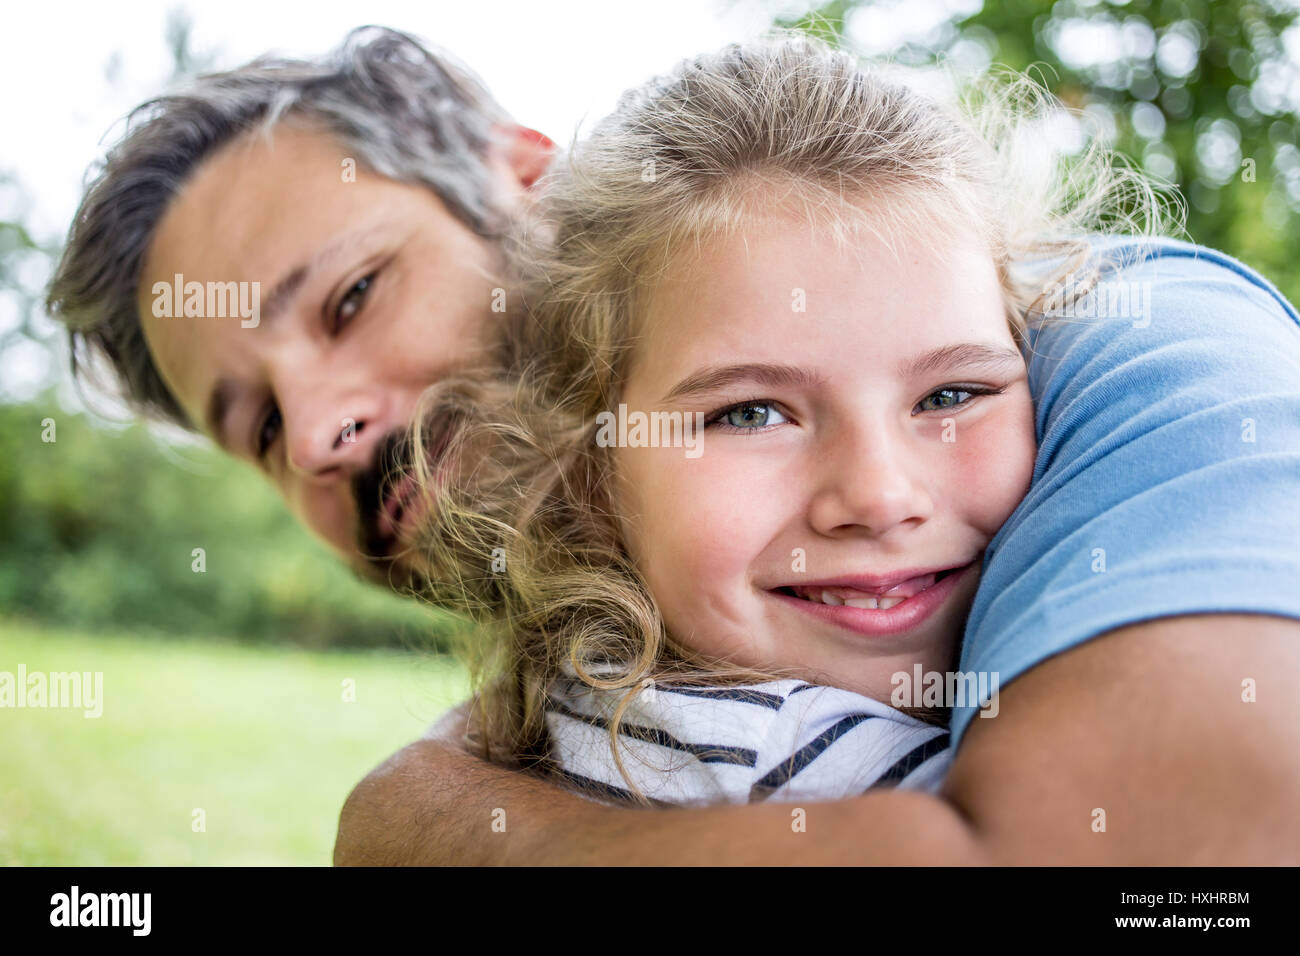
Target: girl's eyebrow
(961, 355)
(721, 376)
(964, 355)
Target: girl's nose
(866, 483)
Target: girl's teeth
(871, 604)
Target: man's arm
(1146, 724)
(433, 804)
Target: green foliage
(98, 530)
(1194, 91)
(825, 22)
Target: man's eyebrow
(283, 292)
(716, 377)
(964, 355)
(219, 402)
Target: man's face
(370, 291)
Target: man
(367, 232)
(1140, 601)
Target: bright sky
(549, 62)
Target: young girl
(760, 414)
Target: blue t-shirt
(1167, 480)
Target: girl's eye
(943, 398)
(748, 416)
(954, 396)
(352, 301)
(267, 430)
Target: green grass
(260, 739)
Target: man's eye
(352, 301)
(748, 416)
(267, 430)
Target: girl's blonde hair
(521, 537)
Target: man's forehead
(250, 200)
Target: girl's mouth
(853, 597)
(881, 612)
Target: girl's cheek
(709, 512)
(694, 526)
(992, 466)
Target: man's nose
(330, 437)
(868, 481)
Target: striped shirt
(784, 741)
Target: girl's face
(868, 423)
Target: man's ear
(525, 152)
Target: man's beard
(381, 551)
(385, 558)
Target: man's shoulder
(1161, 318)
(1168, 421)
(1144, 280)
(1156, 254)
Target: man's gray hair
(406, 113)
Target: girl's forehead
(787, 265)
(778, 297)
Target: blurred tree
(1201, 94)
(26, 335)
(179, 34)
(99, 528)
(29, 341)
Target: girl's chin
(831, 659)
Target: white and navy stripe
(783, 740)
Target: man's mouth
(396, 513)
(390, 502)
(406, 503)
